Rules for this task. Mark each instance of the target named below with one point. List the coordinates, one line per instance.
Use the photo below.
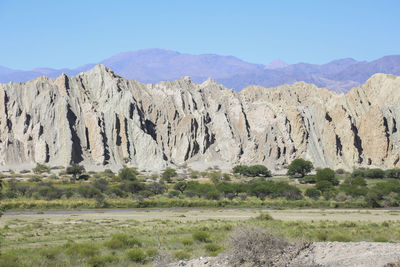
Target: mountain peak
(276, 64)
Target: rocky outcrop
(99, 118)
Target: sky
(72, 33)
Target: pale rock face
(99, 118)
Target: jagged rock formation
(99, 118)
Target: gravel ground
(329, 254)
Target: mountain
(154, 65)
(276, 64)
(98, 118)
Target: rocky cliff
(99, 118)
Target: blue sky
(72, 33)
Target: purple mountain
(153, 65)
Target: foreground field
(98, 238)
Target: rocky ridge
(99, 118)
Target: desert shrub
(264, 216)
(173, 194)
(136, 254)
(255, 247)
(88, 191)
(127, 174)
(201, 236)
(187, 242)
(156, 188)
(9, 260)
(116, 191)
(41, 168)
(101, 184)
(83, 249)
(46, 191)
(213, 248)
(99, 261)
(168, 174)
(313, 193)
(182, 255)
(327, 174)
(299, 167)
(120, 240)
(133, 186)
(151, 252)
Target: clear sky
(40, 33)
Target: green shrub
(312, 193)
(136, 254)
(99, 261)
(187, 242)
(212, 247)
(264, 216)
(83, 249)
(322, 236)
(120, 240)
(327, 174)
(182, 255)
(151, 252)
(202, 236)
(127, 174)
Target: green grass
(91, 241)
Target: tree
(75, 170)
(300, 167)
(252, 171)
(41, 168)
(180, 186)
(168, 174)
(327, 174)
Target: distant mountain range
(154, 65)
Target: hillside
(99, 118)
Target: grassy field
(106, 238)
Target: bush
(299, 167)
(136, 254)
(151, 252)
(312, 193)
(311, 179)
(327, 174)
(187, 242)
(83, 249)
(41, 168)
(182, 255)
(201, 236)
(255, 247)
(212, 247)
(121, 240)
(264, 216)
(375, 173)
(99, 261)
(168, 174)
(127, 174)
